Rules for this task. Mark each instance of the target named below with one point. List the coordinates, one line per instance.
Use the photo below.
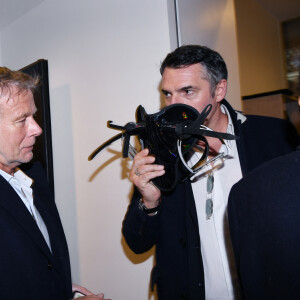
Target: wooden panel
(272, 106)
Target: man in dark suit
(194, 258)
(263, 213)
(34, 258)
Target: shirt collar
(230, 129)
(19, 175)
(5, 175)
(23, 178)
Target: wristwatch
(149, 211)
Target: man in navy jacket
(197, 76)
(263, 214)
(34, 258)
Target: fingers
(148, 171)
(142, 172)
(101, 296)
(142, 158)
(81, 289)
(142, 165)
(89, 294)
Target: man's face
(188, 86)
(18, 129)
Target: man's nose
(35, 129)
(174, 99)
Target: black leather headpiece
(169, 135)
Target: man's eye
(21, 121)
(189, 92)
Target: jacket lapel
(237, 124)
(45, 209)
(13, 205)
(44, 203)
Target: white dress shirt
(21, 183)
(219, 268)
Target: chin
(27, 158)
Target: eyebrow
(181, 89)
(164, 91)
(186, 88)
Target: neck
(8, 169)
(219, 124)
(218, 121)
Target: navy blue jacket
(28, 269)
(264, 220)
(174, 230)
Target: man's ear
(221, 90)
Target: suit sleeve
(139, 229)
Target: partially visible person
(34, 258)
(264, 222)
(194, 257)
(263, 212)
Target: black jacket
(174, 230)
(263, 215)
(28, 268)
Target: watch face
(153, 211)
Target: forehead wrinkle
(19, 110)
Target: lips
(28, 147)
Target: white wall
(104, 59)
(212, 23)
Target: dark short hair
(21, 81)
(187, 55)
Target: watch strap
(146, 210)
